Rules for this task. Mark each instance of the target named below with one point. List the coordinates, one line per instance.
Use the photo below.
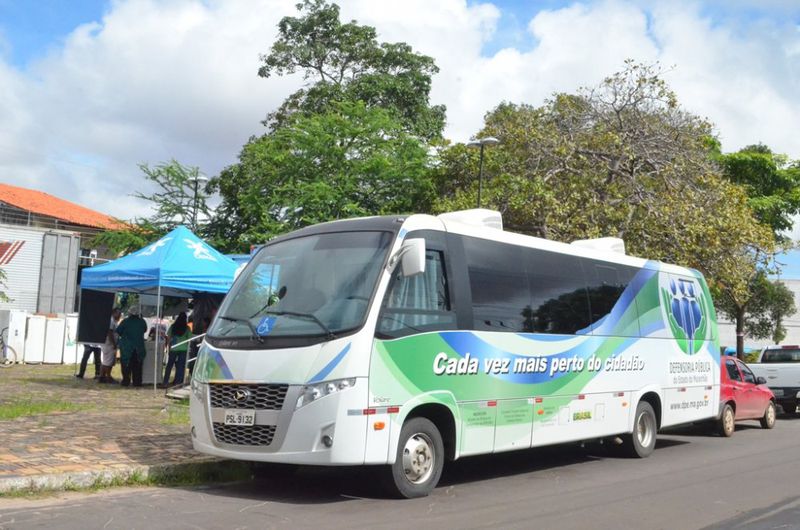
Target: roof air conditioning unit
(606, 244)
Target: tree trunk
(740, 333)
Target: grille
(259, 397)
(244, 434)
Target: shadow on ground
(324, 485)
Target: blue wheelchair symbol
(265, 326)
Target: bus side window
(605, 283)
(498, 283)
(418, 303)
(558, 294)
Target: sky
(90, 89)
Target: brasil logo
(686, 313)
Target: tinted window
(499, 285)
(304, 287)
(748, 375)
(783, 355)
(418, 303)
(558, 293)
(605, 284)
(733, 372)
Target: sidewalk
(68, 432)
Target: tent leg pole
(158, 336)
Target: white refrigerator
(14, 322)
(34, 339)
(54, 340)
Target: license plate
(240, 417)
(778, 392)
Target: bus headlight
(316, 391)
(198, 389)
(200, 372)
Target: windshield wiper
(250, 325)
(329, 334)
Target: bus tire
(419, 460)
(642, 441)
(727, 422)
(768, 419)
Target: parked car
(780, 366)
(743, 396)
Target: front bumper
(294, 436)
(787, 397)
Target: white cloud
(155, 80)
(150, 82)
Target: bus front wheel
(642, 441)
(419, 460)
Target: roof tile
(42, 203)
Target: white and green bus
(408, 341)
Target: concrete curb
(166, 474)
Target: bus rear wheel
(642, 441)
(419, 460)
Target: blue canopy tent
(179, 264)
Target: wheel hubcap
(644, 430)
(770, 414)
(728, 421)
(418, 458)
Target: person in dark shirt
(131, 333)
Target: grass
(174, 414)
(185, 475)
(28, 407)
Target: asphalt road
(693, 480)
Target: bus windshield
(313, 286)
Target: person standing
(109, 348)
(178, 332)
(88, 351)
(131, 333)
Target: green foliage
(136, 235)
(351, 161)
(345, 62)
(770, 302)
(771, 183)
(621, 159)
(180, 200)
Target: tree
(596, 160)
(345, 62)
(772, 185)
(351, 161)
(621, 159)
(770, 302)
(180, 200)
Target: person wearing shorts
(108, 350)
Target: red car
(743, 396)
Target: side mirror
(761, 381)
(413, 257)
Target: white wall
(22, 271)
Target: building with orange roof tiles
(44, 243)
